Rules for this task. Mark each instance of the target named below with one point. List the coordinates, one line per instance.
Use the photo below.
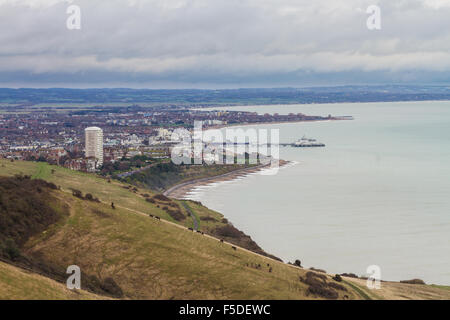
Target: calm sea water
(377, 194)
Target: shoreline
(180, 191)
(222, 126)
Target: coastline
(246, 124)
(180, 191)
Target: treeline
(110, 168)
(158, 177)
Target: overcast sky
(223, 43)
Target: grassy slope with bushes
(124, 253)
(124, 195)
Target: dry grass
(401, 291)
(17, 284)
(150, 259)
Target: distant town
(118, 133)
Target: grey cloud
(215, 41)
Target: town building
(94, 144)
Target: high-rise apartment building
(94, 144)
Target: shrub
(337, 286)
(176, 214)
(318, 285)
(90, 197)
(207, 219)
(175, 205)
(349, 275)
(314, 275)
(24, 212)
(161, 197)
(317, 270)
(150, 200)
(337, 278)
(77, 193)
(111, 287)
(228, 231)
(323, 292)
(298, 263)
(11, 250)
(52, 186)
(413, 281)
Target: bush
(207, 219)
(413, 281)
(89, 197)
(24, 212)
(298, 263)
(77, 193)
(337, 286)
(313, 275)
(10, 249)
(318, 285)
(161, 197)
(228, 231)
(337, 278)
(323, 292)
(111, 287)
(150, 200)
(176, 214)
(349, 275)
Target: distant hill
(226, 96)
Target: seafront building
(94, 144)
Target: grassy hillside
(17, 284)
(127, 196)
(143, 258)
(124, 253)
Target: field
(147, 258)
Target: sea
(377, 194)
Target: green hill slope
(124, 253)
